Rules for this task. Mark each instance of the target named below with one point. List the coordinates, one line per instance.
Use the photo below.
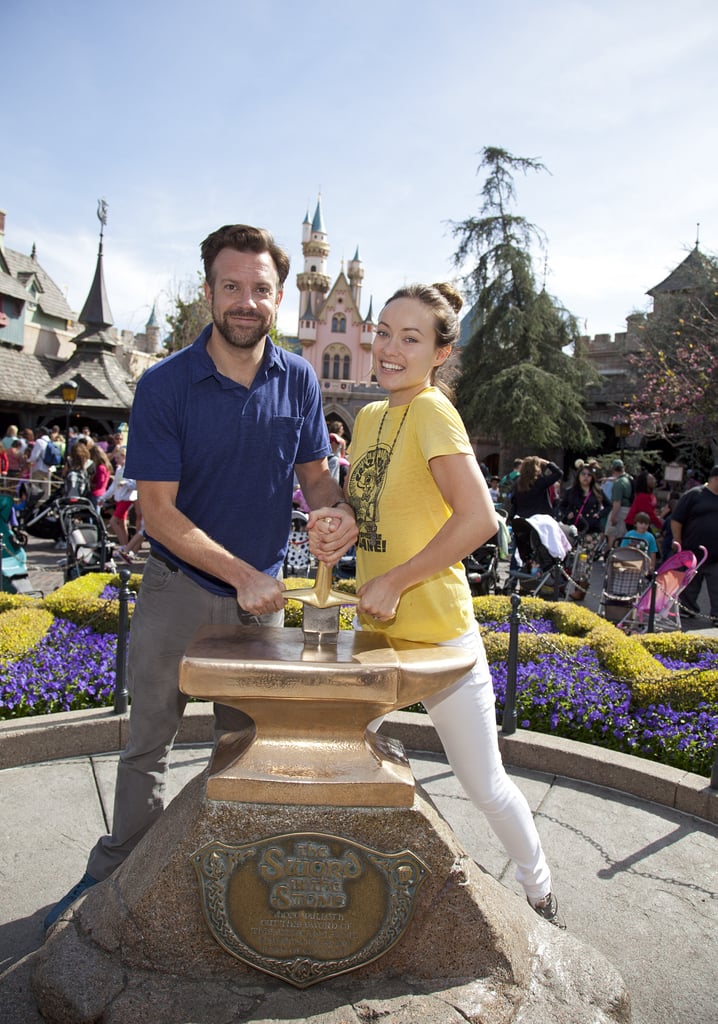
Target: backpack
(51, 456)
(77, 484)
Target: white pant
(465, 719)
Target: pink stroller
(670, 581)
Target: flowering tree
(675, 375)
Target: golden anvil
(310, 705)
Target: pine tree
(523, 377)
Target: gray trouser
(170, 608)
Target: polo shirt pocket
(286, 432)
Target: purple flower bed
(575, 698)
(71, 668)
(709, 659)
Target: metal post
(122, 631)
(652, 607)
(508, 725)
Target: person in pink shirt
(644, 501)
(101, 475)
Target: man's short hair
(243, 238)
(617, 464)
(713, 473)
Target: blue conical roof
(318, 222)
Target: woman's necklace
(382, 458)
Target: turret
(355, 273)
(152, 333)
(313, 283)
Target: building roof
(688, 275)
(49, 297)
(25, 376)
(96, 312)
(30, 379)
(318, 222)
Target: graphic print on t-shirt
(365, 487)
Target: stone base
(137, 949)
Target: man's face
(243, 295)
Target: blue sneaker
(85, 883)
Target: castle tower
(314, 282)
(355, 273)
(152, 333)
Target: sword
(320, 614)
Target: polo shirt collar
(203, 367)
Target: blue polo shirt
(232, 449)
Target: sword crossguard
(321, 595)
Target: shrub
(21, 629)
(79, 601)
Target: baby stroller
(543, 547)
(39, 516)
(482, 567)
(669, 582)
(297, 561)
(86, 542)
(625, 577)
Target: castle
(334, 336)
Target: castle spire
(96, 313)
(314, 282)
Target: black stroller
(482, 568)
(38, 515)
(87, 548)
(544, 549)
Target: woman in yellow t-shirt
(421, 505)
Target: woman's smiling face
(405, 351)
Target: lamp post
(622, 432)
(69, 397)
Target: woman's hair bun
(450, 294)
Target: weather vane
(102, 217)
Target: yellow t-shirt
(399, 509)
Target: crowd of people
(81, 465)
(611, 508)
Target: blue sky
(186, 116)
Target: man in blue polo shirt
(217, 515)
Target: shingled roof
(104, 384)
(24, 269)
(689, 275)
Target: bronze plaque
(306, 906)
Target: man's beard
(241, 335)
